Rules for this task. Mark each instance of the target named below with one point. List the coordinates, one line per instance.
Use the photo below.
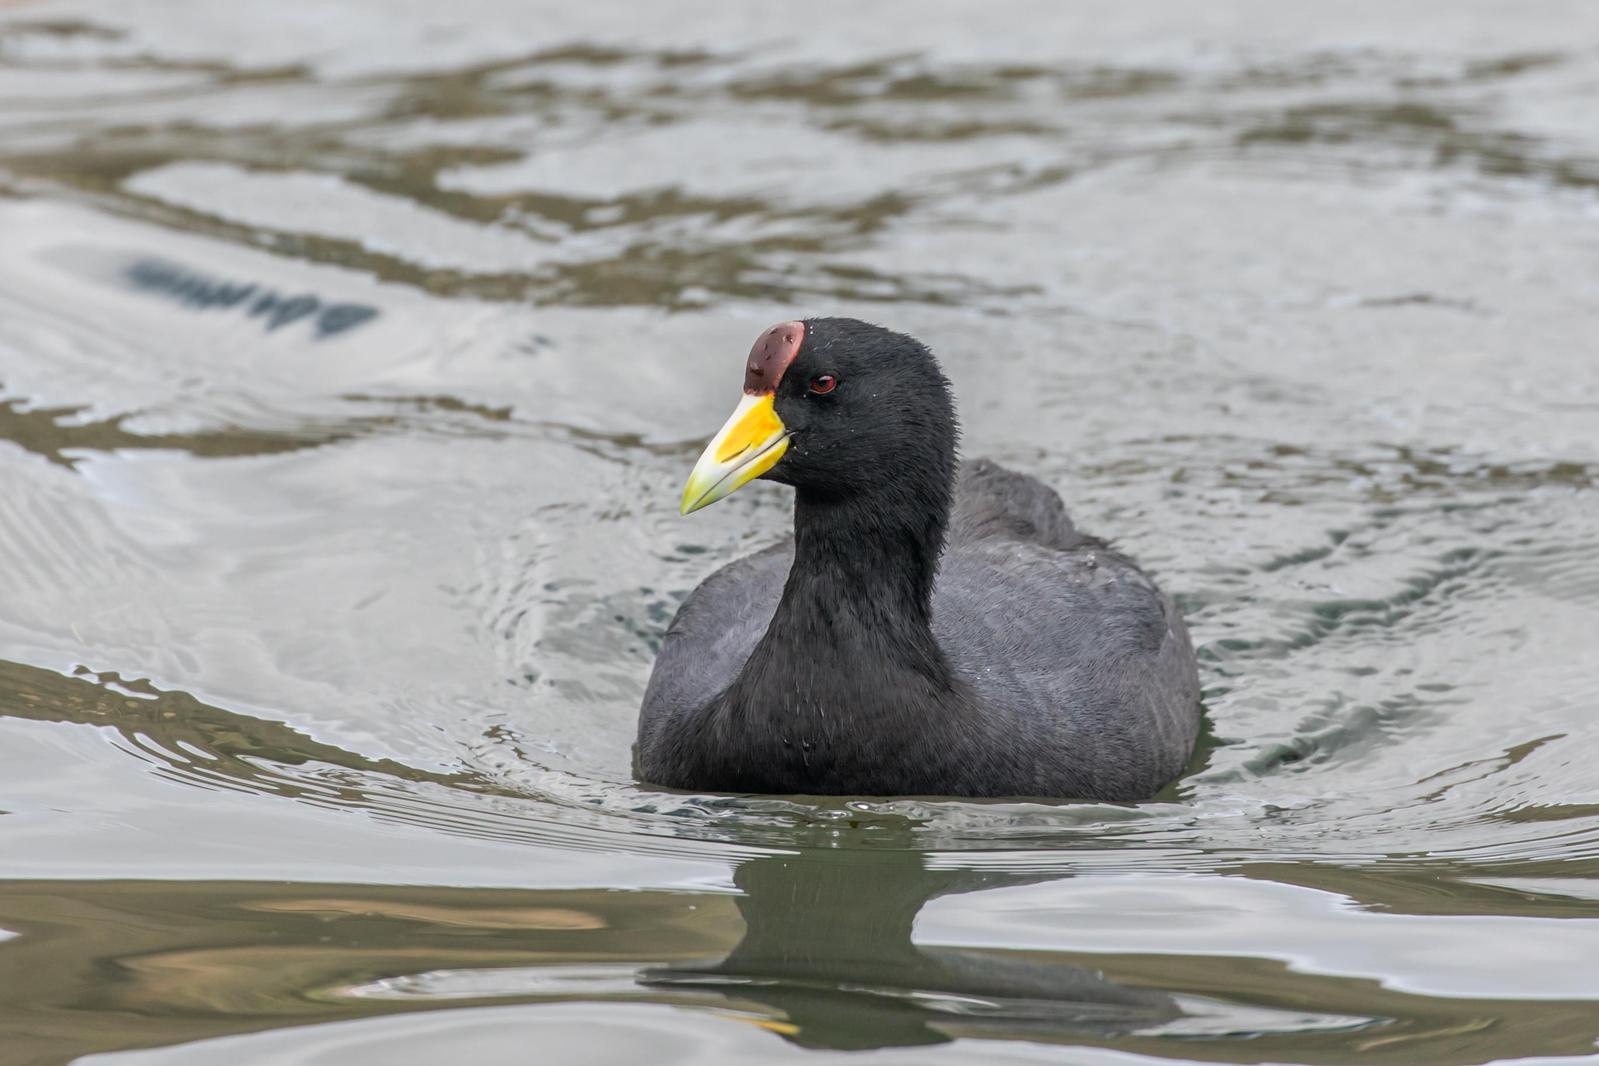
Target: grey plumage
(933, 628)
(1072, 652)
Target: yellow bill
(751, 443)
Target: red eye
(822, 384)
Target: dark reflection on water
(827, 945)
(57, 433)
(1422, 128)
(351, 355)
(666, 245)
(818, 952)
(188, 736)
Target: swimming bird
(934, 627)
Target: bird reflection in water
(828, 947)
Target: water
(351, 360)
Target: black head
(864, 407)
(839, 409)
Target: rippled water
(351, 359)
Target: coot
(934, 627)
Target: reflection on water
(139, 964)
(805, 924)
(349, 357)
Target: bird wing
(993, 502)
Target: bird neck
(849, 659)
(861, 585)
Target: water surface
(351, 360)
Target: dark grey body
(1078, 676)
